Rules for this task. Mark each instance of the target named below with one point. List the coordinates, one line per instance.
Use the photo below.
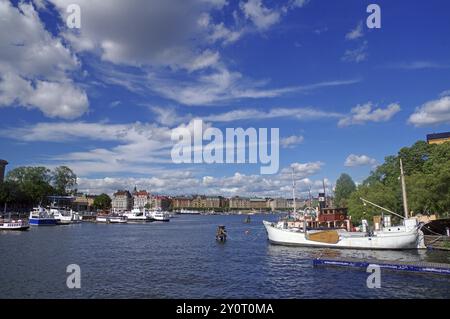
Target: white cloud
(35, 66)
(358, 54)
(359, 160)
(302, 170)
(175, 182)
(365, 113)
(418, 65)
(223, 85)
(135, 147)
(432, 113)
(356, 33)
(261, 16)
(168, 115)
(291, 141)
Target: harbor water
(181, 259)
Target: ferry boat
(14, 224)
(117, 219)
(101, 219)
(40, 217)
(159, 215)
(189, 212)
(137, 215)
(405, 236)
(62, 216)
(113, 219)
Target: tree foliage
(64, 180)
(427, 176)
(29, 185)
(345, 186)
(102, 201)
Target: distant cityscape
(124, 200)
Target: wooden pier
(437, 242)
(406, 266)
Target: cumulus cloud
(260, 15)
(181, 182)
(432, 113)
(362, 114)
(35, 66)
(359, 160)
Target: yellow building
(438, 138)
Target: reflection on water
(181, 259)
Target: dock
(405, 266)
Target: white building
(122, 201)
(141, 199)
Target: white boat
(14, 224)
(189, 212)
(137, 215)
(41, 217)
(117, 219)
(62, 216)
(406, 236)
(113, 219)
(101, 219)
(160, 215)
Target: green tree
(345, 186)
(64, 180)
(10, 193)
(102, 201)
(33, 182)
(427, 176)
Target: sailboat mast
(293, 191)
(405, 199)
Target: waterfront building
(181, 202)
(259, 203)
(141, 199)
(3, 164)
(278, 204)
(438, 138)
(237, 202)
(83, 203)
(161, 202)
(121, 201)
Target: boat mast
(405, 199)
(293, 191)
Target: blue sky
(103, 99)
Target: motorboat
(137, 215)
(160, 215)
(39, 216)
(11, 224)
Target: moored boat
(40, 217)
(408, 235)
(137, 215)
(159, 215)
(14, 224)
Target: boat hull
(396, 241)
(43, 221)
(14, 226)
